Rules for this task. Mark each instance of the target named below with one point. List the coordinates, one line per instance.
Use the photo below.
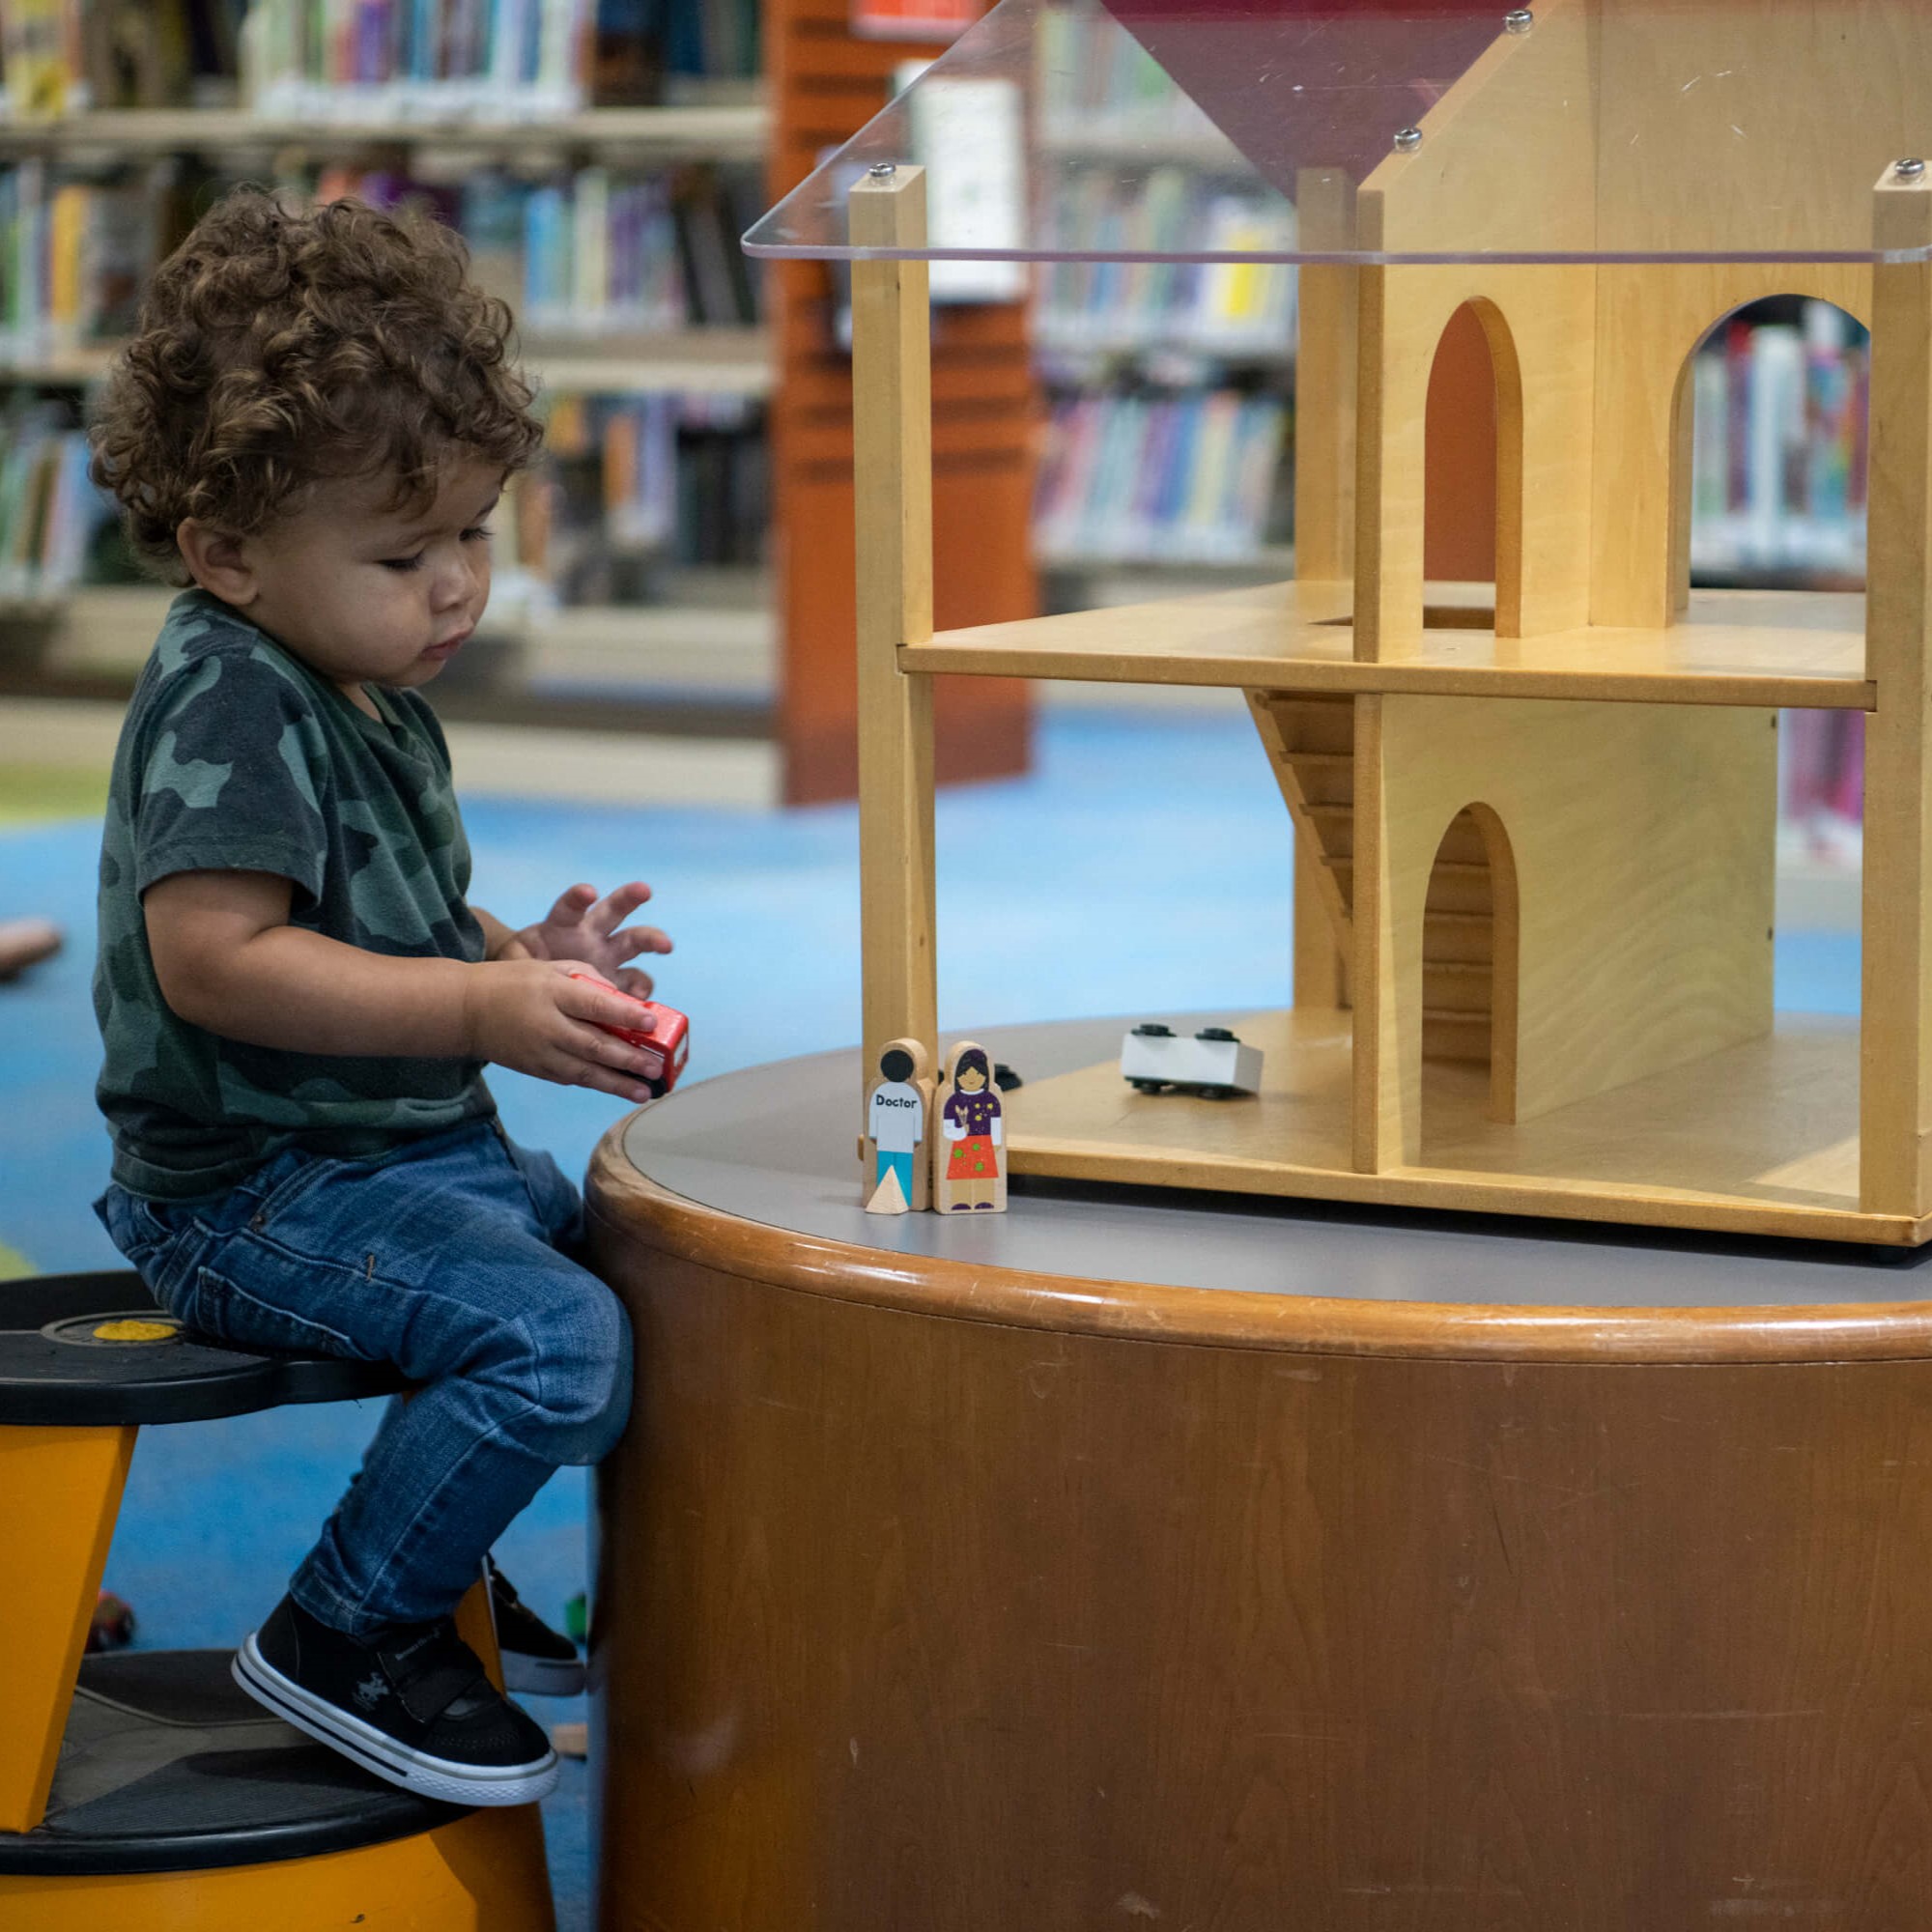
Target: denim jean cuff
(329, 1606)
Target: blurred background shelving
(680, 564)
(600, 161)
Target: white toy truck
(1215, 1064)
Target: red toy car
(667, 1037)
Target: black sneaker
(412, 1705)
(536, 1659)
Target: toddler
(311, 428)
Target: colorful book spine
(1779, 443)
(1187, 478)
(458, 60)
(51, 514)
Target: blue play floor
(1143, 865)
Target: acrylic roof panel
(1399, 130)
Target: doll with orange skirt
(969, 1157)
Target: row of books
(1187, 478)
(74, 255)
(362, 60)
(602, 251)
(326, 59)
(1779, 445)
(366, 59)
(594, 252)
(1221, 308)
(52, 519)
(68, 56)
(634, 483)
(624, 487)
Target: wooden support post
(1386, 1116)
(60, 1491)
(1324, 388)
(892, 423)
(1895, 1044)
(1391, 398)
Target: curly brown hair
(278, 348)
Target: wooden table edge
(622, 1201)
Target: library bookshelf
(707, 666)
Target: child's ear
(218, 561)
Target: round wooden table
(1233, 1566)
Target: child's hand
(530, 1014)
(582, 927)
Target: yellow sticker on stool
(137, 1331)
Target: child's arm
(227, 959)
(498, 941)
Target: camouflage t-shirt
(235, 757)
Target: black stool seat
(56, 1372)
(168, 1766)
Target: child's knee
(582, 1340)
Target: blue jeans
(449, 1257)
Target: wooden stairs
(1311, 743)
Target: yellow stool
(145, 1791)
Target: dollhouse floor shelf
(1761, 1137)
(1748, 648)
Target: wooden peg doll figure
(968, 1155)
(898, 1117)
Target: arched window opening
(1470, 953)
(1771, 416)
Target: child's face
(364, 594)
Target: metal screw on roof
(1408, 140)
(880, 169)
(1908, 170)
(1519, 20)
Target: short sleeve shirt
(235, 757)
(896, 1115)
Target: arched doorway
(1470, 953)
(1459, 467)
(1472, 466)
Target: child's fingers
(617, 905)
(635, 939)
(572, 903)
(598, 1003)
(635, 981)
(595, 1059)
(606, 1049)
(601, 1080)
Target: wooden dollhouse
(1533, 822)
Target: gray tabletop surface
(777, 1145)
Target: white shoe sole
(377, 1752)
(543, 1676)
